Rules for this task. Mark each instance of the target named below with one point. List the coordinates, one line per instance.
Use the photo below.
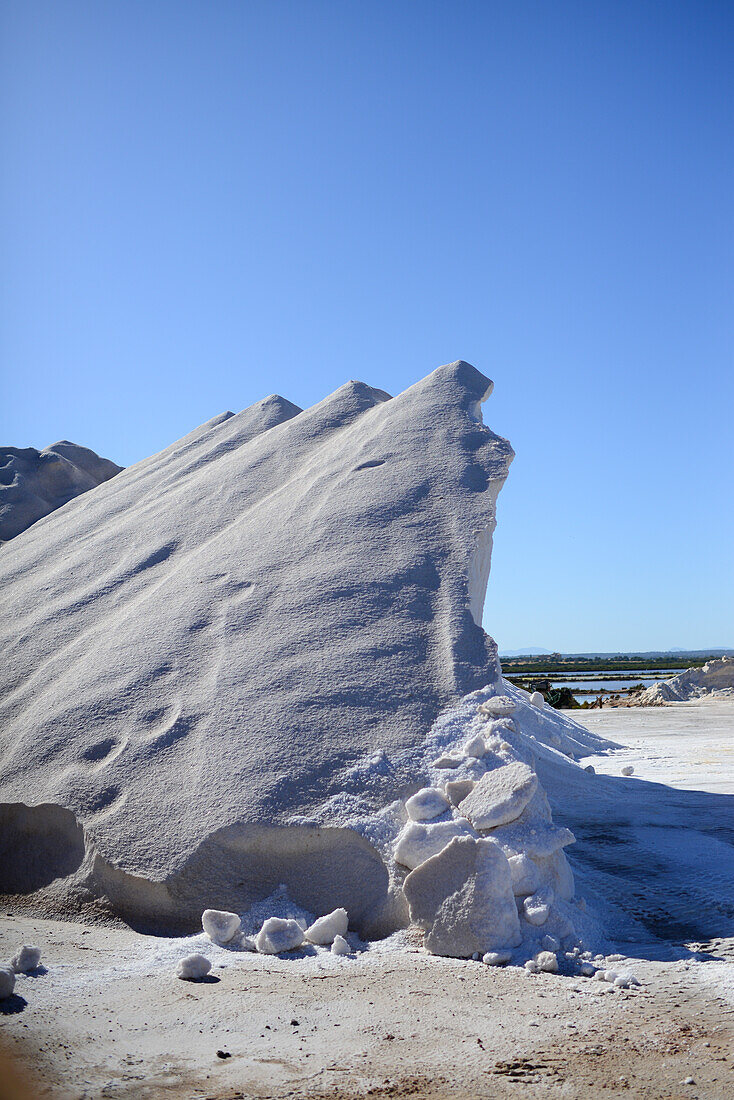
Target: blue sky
(206, 202)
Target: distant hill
(529, 651)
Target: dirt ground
(106, 1020)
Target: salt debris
(193, 967)
(219, 925)
(325, 930)
(426, 804)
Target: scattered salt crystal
(7, 982)
(628, 770)
(324, 930)
(496, 958)
(426, 804)
(219, 925)
(475, 747)
(278, 934)
(547, 961)
(26, 959)
(193, 967)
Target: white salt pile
(715, 679)
(212, 612)
(35, 483)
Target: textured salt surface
(34, 483)
(224, 636)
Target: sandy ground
(107, 1018)
(386, 1026)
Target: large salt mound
(34, 483)
(714, 678)
(222, 660)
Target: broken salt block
(193, 967)
(7, 982)
(475, 746)
(418, 842)
(525, 876)
(220, 926)
(536, 699)
(531, 966)
(500, 795)
(536, 908)
(462, 898)
(340, 946)
(540, 838)
(324, 930)
(499, 706)
(497, 958)
(26, 959)
(447, 762)
(547, 961)
(628, 770)
(426, 804)
(278, 934)
(458, 789)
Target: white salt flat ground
(109, 1019)
(689, 746)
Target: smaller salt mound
(714, 678)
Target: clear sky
(203, 203)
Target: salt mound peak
(34, 483)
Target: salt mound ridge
(229, 667)
(715, 678)
(34, 483)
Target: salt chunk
(551, 943)
(525, 876)
(458, 789)
(462, 898)
(447, 762)
(219, 925)
(547, 961)
(537, 699)
(26, 959)
(628, 770)
(531, 966)
(540, 838)
(278, 934)
(610, 976)
(536, 908)
(499, 706)
(193, 967)
(622, 981)
(418, 842)
(426, 804)
(500, 795)
(340, 946)
(590, 769)
(497, 958)
(475, 746)
(7, 982)
(587, 970)
(324, 930)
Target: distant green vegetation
(557, 664)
